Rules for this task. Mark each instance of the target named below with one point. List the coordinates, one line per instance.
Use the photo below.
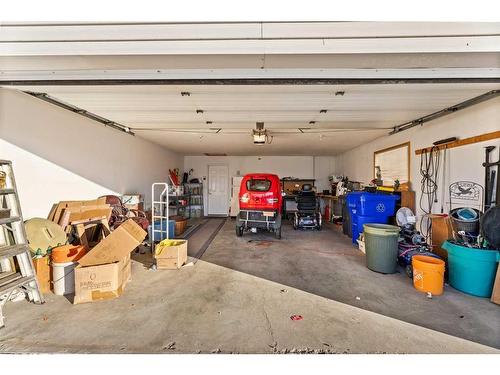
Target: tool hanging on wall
(429, 170)
(489, 179)
(441, 143)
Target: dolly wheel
(239, 231)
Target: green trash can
(381, 246)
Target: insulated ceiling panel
(333, 114)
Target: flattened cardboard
(42, 269)
(103, 282)
(171, 257)
(56, 211)
(120, 243)
(495, 296)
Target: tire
(277, 233)
(409, 271)
(239, 231)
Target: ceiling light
(339, 93)
(199, 111)
(323, 111)
(312, 122)
(209, 122)
(185, 93)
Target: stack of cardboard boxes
(105, 268)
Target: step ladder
(16, 266)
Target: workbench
(332, 202)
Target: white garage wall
(318, 167)
(59, 155)
(463, 163)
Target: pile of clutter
(77, 251)
(470, 257)
(84, 248)
(411, 241)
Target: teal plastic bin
(472, 271)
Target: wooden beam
(462, 142)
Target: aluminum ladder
(19, 274)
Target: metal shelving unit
(180, 209)
(195, 200)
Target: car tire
(239, 231)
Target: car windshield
(258, 185)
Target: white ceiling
(255, 50)
(363, 113)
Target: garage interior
(99, 110)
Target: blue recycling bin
(365, 208)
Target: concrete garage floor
(213, 308)
(326, 264)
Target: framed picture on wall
(392, 163)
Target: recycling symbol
(380, 207)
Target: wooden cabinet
(408, 200)
(441, 230)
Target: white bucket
(63, 276)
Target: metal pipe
(446, 111)
(80, 111)
(243, 81)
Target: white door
(218, 197)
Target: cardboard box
(495, 296)
(103, 282)
(42, 269)
(171, 254)
(105, 270)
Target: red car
(260, 204)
